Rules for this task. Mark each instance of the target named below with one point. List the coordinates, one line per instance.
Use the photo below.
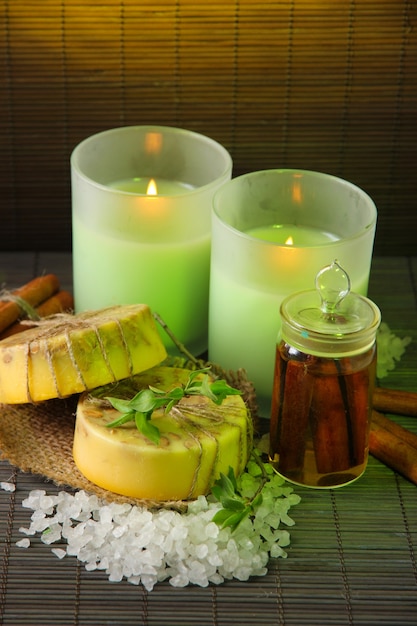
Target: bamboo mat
(328, 86)
(352, 558)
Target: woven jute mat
(38, 438)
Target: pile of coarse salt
(145, 547)
(390, 349)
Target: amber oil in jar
(320, 417)
(323, 383)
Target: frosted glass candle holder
(272, 232)
(134, 243)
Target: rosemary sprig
(141, 407)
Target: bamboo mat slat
(353, 554)
(312, 85)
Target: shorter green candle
(292, 235)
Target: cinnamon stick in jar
(330, 422)
(358, 388)
(290, 413)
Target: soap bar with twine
(68, 354)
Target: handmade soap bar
(199, 439)
(73, 353)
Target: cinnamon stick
(294, 416)
(395, 401)
(330, 423)
(34, 293)
(395, 429)
(61, 302)
(358, 386)
(393, 445)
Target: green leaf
(233, 504)
(205, 389)
(149, 430)
(196, 373)
(225, 488)
(176, 394)
(220, 389)
(257, 501)
(123, 419)
(226, 485)
(227, 491)
(144, 401)
(231, 476)
(222, 516)
(119, 404)
(238, 518)
(157, 391)
(217, 491)
(230, 518)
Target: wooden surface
(353, 553)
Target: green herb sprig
(235, 506)
(141, 407)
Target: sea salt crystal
(39, 522)
(146, 547)
(52, 534)
(8, 486)
(120, 530)
(277, 551)
(59, 552)
(148, 582)
(212, 530)
(116, 573)
(390, 349)
(201, 551)
(46, 503)
(180, 580)
(179, 532)
(32, 501)
(105, 515)
(242, 572)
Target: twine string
(25, 307)
(64, 324)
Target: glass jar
(323, 383)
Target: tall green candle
(136, 243)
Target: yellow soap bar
(199, 440)
(69, 354)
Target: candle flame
(289, 241)
(152, 189)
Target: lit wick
(152, 188)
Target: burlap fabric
(38, 438)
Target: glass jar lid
(330, 320)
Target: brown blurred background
(322, 85)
